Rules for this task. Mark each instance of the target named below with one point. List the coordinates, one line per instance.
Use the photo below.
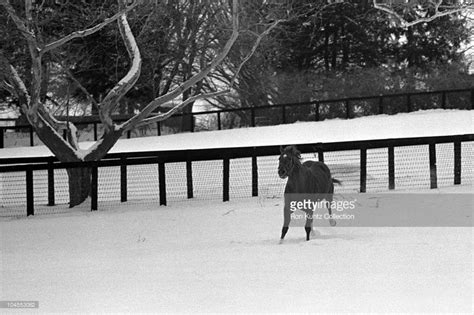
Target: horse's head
(289, 158)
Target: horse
(310, 177)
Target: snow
(7, 113)
(210, 256)
(416, 124)
(203, 256)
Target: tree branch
(132, 122)
(36, 70)
(13, 79)
(112, 98)
(88, 31)
(172, 111)
(8, 87)
(254, 48)
(89, 97)
(20, 24)
(59, 125)
(41, 119)
(405, 24)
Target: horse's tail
(336, 181)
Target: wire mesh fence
(407, 176)
(445, 164)
(20, 133)
(240, 179)
(377, 169)
(467, 164)
(411, 168)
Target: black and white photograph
(236, 156)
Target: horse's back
(319, 169)
(321, 176)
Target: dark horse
(309, 177)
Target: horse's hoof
(332, 222)
(281, 241)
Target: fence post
(94, 187)
(433, 175)
(162, 183)
(189, 178)
(1, 138)
(316, 111)
(348, 109)
(472, 98)
(95, 131)
(123, 179)
(225, 184)
(457, 162)
(252, 117)
(30, 204)
(320, 153)
(391, 167)
(51, 200)
(443, 100)
(219, 121)
(363, 169)
(283, 114)
(32, 143)
(408, 103)
(380, 105)
(129, 134)
(158, 128)
(254, 175)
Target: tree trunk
(79, 185)
(335, 40)
(44, 82)
(326, 47)
(79, 178)
(187, 121)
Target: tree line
(321, 50)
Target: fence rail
(161, 158)
(285, 113)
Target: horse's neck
(298, 168)
(297, 176)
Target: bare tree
(49, 129)
(29, 89)
(407, 13)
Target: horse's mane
(293, 152)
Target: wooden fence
(29, 164)
(285, 113)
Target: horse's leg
(286, 222)
(332, 222)
(309, 224)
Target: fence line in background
(285, 111)
(161, 158)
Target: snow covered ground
(424, 123)
(205, 255)
(412, 167)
